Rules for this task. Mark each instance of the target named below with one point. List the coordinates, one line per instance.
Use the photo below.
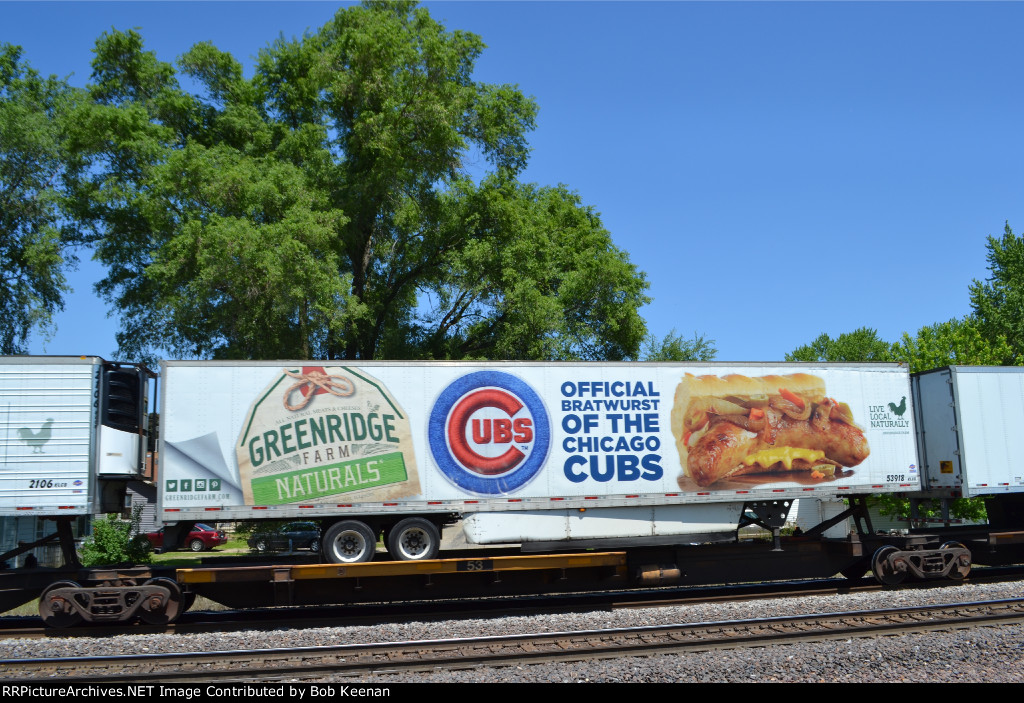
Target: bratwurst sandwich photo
(728, 426)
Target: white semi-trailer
(73, 431)
(542, 454)
(970, 439)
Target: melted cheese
(786, 455)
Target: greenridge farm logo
(324, 434)
(891, 416)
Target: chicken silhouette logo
(36, 439)
(891, 417)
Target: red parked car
(201, 538)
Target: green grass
(185, 558)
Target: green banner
(330, 480)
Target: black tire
(260, 545)
(196, 545)
(414, 539)
(349, 542)
(314, 546)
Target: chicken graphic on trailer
(36, 440)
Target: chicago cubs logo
(489, 432)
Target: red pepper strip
(756, 413)
(686, 439)
(792, 397)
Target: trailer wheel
(883, 570)
(56, 609)
(349, 542)
(414, 539)
(160, 609)
(963, 566)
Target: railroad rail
(392, 657)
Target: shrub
(116, 541)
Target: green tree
(956, 342)
(672, 347)
(998, 302)
(862, 344)
(324, 208)
(35, 243)
(970, 509)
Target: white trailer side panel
(281, 439)
(47, 435)
(972, 430)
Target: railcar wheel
(56, 609)
(196, 545)
(414, 539)
(883, 570)
(161, 609)
(349, 542)
(960, 569)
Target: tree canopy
(324, 207)
(672, 347)
(992, 335)
(998, 302)
(35, 242)
(862, 344)
(956, 342)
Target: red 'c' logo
(487, 430)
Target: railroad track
(355, 660)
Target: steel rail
(392, 657)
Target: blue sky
(777, 170)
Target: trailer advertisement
(253, 434)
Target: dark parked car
(201, 538)
(294, 535)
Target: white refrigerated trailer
(547, 455)
(73, 432)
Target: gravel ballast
(985, 654)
